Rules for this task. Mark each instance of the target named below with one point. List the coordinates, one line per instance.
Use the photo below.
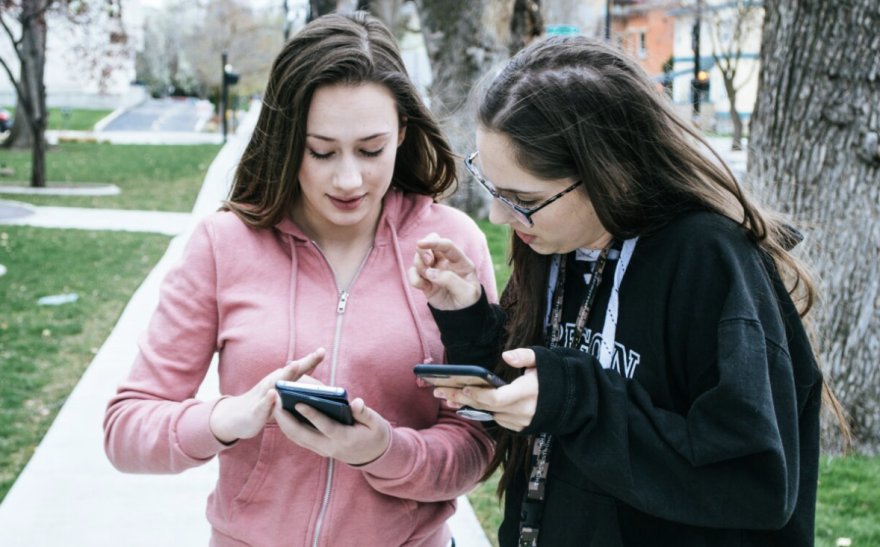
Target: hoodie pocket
(260, 471)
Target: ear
(401, 132)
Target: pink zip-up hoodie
(261, 298)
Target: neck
(598, 243)
(331, 237)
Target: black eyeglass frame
(521, 213)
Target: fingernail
(467, 391)
(439, 394)
(432, 273)
(511, 356)
(426, 257)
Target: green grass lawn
(849, 501)
(498, 238)
(152, 178)
(45, 349)
(80, 119)
(849, 488)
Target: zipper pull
(343, 298)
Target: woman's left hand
(356, 444)
(513, 405)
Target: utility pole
(229, 78)
(696, 46)
(224, 98)
(608, 6)
(286, 22)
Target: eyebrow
(328, 139)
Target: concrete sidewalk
(81, 218)
(69, 494)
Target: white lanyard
(609, 330)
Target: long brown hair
(580, 108)
(339, 48)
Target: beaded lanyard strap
(533, 505)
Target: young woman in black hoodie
(662, 389)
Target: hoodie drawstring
(291, 344)
(407, 290)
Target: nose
(348, 176)
(498, 214)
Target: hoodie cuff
(555, 392)
(469, 325)
(194, 432)
(398, 459)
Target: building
(646, 30)
(726, 28)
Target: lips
(526, 238)
(347, 203)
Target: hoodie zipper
(340, 311)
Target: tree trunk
(526, 24)
(466, 41)
(814, 155)
(318, 8)
(386, 10)
(20, 134)
(736, 143)
(29, 127)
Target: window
(643, 45)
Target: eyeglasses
(520, 213)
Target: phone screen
(456, 381)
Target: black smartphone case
(427, 372)
(336, 408)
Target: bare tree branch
(15, 43)
(18, 91)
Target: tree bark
(318, 8)
(29, 127)
(735, 118)
(386, 10)
(467, 40)
(814, 155)
(526, 24)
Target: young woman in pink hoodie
(303, 276)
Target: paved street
(161, 115)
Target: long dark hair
(340, 48)
(582, 109)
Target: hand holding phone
(461, 376)
(330, 401)
(512, 406)
(244, 416)
(362, 442)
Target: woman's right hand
(245, 415)
(445, 274)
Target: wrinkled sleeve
(447, 459)
(154, 424)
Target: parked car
(5, 120)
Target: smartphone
(330, 401)
(459, 376)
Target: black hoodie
(705, 430)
